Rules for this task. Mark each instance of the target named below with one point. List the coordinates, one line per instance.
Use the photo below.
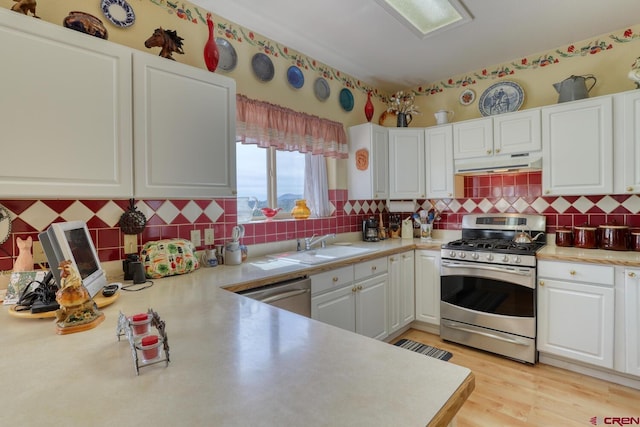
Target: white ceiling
(360, 38)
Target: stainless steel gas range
(488, 284)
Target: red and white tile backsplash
(520, 192)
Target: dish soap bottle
(300, 210)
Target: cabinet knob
(449, 194)
(488, 151)
(392, 259)
(572, 272)
(359, 287)
(632, 274)
(547, 192)
(354, 289)
(541, 282)
(497, 150)
(629, 188)
(373, 268)
(335, 279)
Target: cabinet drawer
(577, 272)
(331, 279)
(371, 268)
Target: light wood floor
(514, 394)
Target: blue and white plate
(502, 97)
(346, 99)
(228, 57)
(118, 12)
(295, 77)
(262, 67)
(321, 89)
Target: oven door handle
(521, 272)
(454, 325)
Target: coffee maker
(370, 230)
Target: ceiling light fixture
(427, 17)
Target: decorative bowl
(270, 213)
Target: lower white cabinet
(632, 321)
(576, 311)
(401, 309)
(359, 306)
(427, 285)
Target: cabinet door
(632, 321)
(184, 130)
(427, 285)
(577, 148)
(631, 143)
(406, 163)
(517, 132)
(401, 295)
(337, 308)
(439, 161)
(473, 138)
(372, 181)
(65, 112)
(371, 307)
(576, 321)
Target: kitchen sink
(320, 255)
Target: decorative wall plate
(321, 89)
(346, 99)
(118, 12)
(295, 77)
(467, 97)
(228, 57)
(502, 97)
(262, 67)
(5, 224)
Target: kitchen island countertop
(234, 361)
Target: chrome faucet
(309, 242)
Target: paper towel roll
(401, 206)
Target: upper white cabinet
(439, 161)
(473, 138)
(517, 132)
(65, 112)
(406, 163)
(368, 171)
(184, 130)
(627, 143)
(577, 147)
(511, 133)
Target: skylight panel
(425, 17)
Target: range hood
(500, 163)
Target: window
(275, 178)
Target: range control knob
(462, 255)
(505, 258)
(517, 259)
(475, 255)
(489, 257)
(452, 254)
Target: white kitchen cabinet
(406, 163)
(576, 312)
(184, 130)
(427, 284)
(511, 133)
(401, 301)
(517, 132)
(439, 162)
(473, 138)
(632, 321)
(65, 112)
(370, 181)
(577, 147)
(359, 306)
(627, 143)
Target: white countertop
(234, 361)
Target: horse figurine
(168, 40)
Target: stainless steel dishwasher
(292, 295)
